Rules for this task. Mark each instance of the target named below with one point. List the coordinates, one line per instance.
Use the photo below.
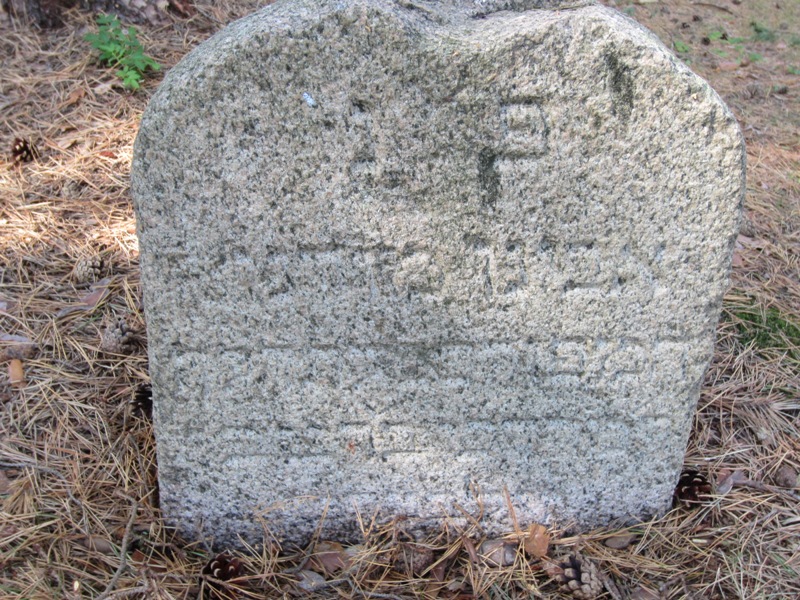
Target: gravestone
(400, 257)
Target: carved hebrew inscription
(525, 130)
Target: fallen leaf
(620, 542)
(138, 556)
(470, 548)
(18, 347)
(456, 586)
(787, 477)
(749, 242)
(100, 291)
(737, 260)
(726, 482)
(498, 553)
(437, 572)
(728, 65)
(643, 593)
(107, 154)
(184, 9)
(99, 544)
(310, 581)
(329, 557)
(74, 97)
(537, 542)
(103, 88)
(16, 373)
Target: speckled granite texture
(396, 254)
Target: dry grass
(78, 488)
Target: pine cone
(23, 151)
(222, 567)
(119, 338)
(88, 269)
(579, 577)
(692, 487)
(142, 401)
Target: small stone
(620, 542)
(787, 477)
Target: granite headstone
(401, 256)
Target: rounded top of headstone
(490, 6)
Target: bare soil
(79, 513)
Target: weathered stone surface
(396, 254)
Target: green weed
(762, 33)
(121, 49)
(767, 329)
(680, 46)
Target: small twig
(211, 18)
(377, 595)
(710, 5)
(324, 585)
(611, 587)
(299, 567)
(763, 487)
(142, 589)
(688, 593)
(123, 553)
(512, 512)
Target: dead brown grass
(78, 497)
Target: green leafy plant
(767, 328)
(717, 35)
(737, 44)
(121, 49)
(681, 46)
(762, 33)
